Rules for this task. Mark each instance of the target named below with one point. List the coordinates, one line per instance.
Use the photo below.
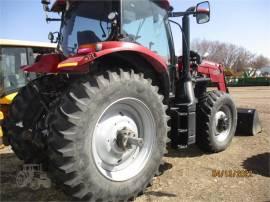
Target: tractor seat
(87, 37)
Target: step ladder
(183, 125)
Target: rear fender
(131, 60)
(46, 64)
(54, 63)
(107, 48)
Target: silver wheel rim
(222, 132)
(117, 162)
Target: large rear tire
(108, 136)
(216, 121)
(25, 127)
(20, 123)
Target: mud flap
(248, 123)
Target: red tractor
(114, 95)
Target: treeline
(231, 56)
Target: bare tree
(260, 61)
(230, 55)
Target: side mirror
(203, 12)
(46, 4)
(112, 16)
(52, 38)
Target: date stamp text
(231, 173)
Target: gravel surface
(187, 173)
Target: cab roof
(11, 42)
(58, 5)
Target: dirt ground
(187, 173)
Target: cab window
(11, 76)
(145, 24)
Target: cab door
(11, 75)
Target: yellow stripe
(68, 64)
(7, 99)
(1, 116)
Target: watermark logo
(231, 173)
(32, 176)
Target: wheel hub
(112, 140)
(222, 125)
(123, 139)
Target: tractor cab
(11, 78)
(13, 55)
(83, 25)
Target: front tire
(216, 121)
(108, 136)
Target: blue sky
(241, 22)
